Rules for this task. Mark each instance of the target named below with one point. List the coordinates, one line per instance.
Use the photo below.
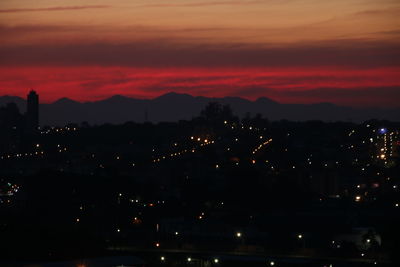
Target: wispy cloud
(58, 8)
(379, 12)
(200, 4)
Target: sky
(345, 52)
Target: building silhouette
(32, 112)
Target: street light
(300, 236)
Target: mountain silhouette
(174, 107)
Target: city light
(195, 168)
(382, 130)
(300, 236)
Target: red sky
(343, 51)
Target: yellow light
(358, 198)
(162, 258)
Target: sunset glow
(344, 52)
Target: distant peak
(11, 97)
(173, 95)
(118, 97)
(65, 100)
(266, 100)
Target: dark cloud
(168, 54)
(58, 8)
(8, 31)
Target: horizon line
(198, 96)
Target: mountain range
(172, 107)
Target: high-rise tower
(32, 112)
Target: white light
(189, 259)
(272, 263)
(162, 258)
(300, 236)
(238, 234)
(216, 260)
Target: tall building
(387, 144)
(32, 112)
